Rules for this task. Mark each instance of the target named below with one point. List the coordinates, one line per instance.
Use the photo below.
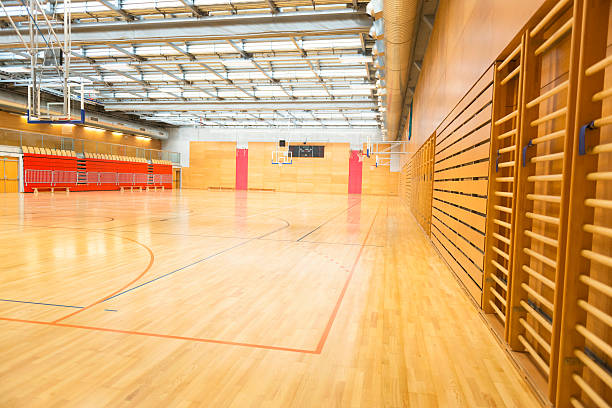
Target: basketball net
(361, 156)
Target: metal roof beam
(240, 50)
(303, 23)
(209, 69)
(246, 105)
(191, 6)
(118, 10)
(272, 5)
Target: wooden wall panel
(460, 182)
(585, 357)
(211, 165)
(467, 37)
(378, 180)
(13, 121)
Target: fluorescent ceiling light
(14, 69)
(116, 67)
(143, 138)
(352, 59)
(362, 86)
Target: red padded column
(242, 169)
(355, 168)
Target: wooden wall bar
(539, 125)
(585, 360)
(404, 189)
(419, 172)
(460, 184)
(504, 151)
(546, 138)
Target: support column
(242, 169)
(355, 170)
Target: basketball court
(305, 203)
(231, 299)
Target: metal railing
(22, 138)
(55, 177)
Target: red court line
(318, 350)
(332, 318)
(163, 336)
(151, 259)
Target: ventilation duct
(379, 48)
(400, 19)
(378, 29)
(375, 8)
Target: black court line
(200, 260)
(337, 215)
(323, 243)
(40, 303)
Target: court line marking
(318, 350)
(247, 240)
(332, 318)
(324, 223)
(164, 336)
(39, 303)
(151, 260)
(122, 290)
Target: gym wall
(466, 37)
(522, 198)
(16, 122)
(212, 165)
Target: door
(177, 178)
(9, 175)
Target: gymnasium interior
(306, 203)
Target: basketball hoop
(360, 156)
(281, 157)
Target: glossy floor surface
(234, 299)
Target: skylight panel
(117, 78)
(232, 94)
(157, 50)
(350, 92)
(269, 94)
(125, 95)
(344, 73)
(10, 55)
(102, 52)
(15, 69)
(117, 67)
(237, 63)
(246, 75)
(196, 94)
(269, 46)
(310, 92)
(222, 2)
(338, 43)
(203, 76)
(160, 95)
(293, 74)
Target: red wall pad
(242, 169)
(355, 169)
